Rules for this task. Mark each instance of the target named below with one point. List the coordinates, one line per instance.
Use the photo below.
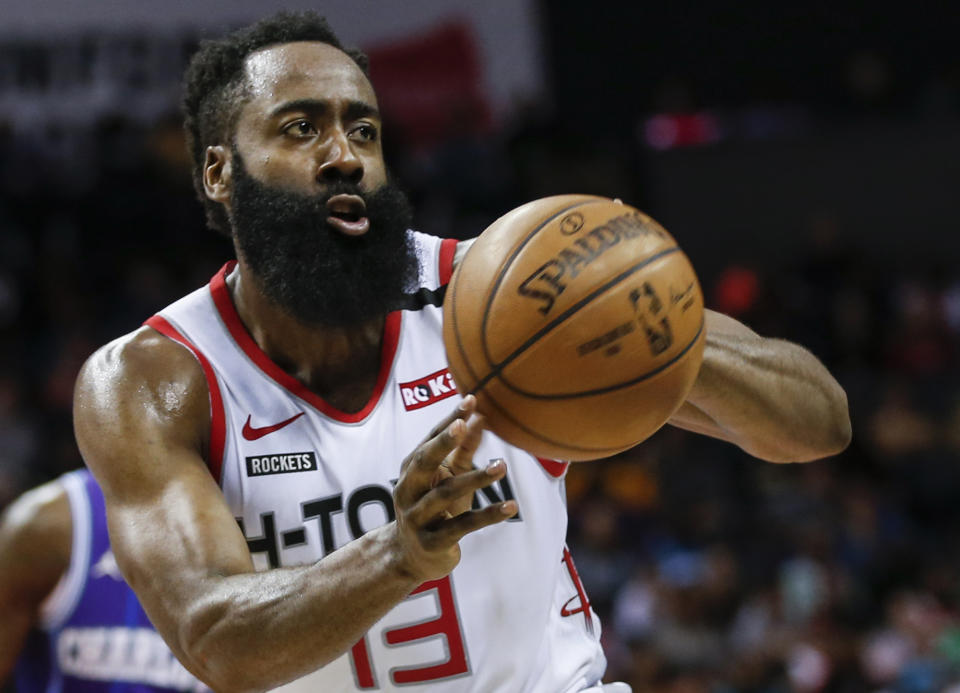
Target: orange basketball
(577, 322)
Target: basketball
(577, 321)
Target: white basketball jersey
(303, 479)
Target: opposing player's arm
(771, 397)
(35, 544)
(142, 420)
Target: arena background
(806, 155)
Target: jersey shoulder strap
(62, 602)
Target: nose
(340, 162)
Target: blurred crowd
(712, 571)
(717, 572)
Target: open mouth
(348, 214)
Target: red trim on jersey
(553, 467)
(584, 607)
(228, 312)
(448, 249)
(218, 425)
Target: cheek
(291, 172)
(374, 172)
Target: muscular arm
(35, 540)
(771, 397)
(142, 421)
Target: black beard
(316, 274)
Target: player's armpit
(35, 544)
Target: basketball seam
(456, 280)
(507, 415)
(509, 262)
(497, 368)
(452, 296)
(609, 388)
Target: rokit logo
(285, 463)
(427, 390)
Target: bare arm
(771, 397)
(35, 543)
(142, 421)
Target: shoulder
(143, 354)
(141, 388)
(35, 542)
(143, 370)
(41, 515)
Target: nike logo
(251, 433)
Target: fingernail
(495, 467)
(456, 427)
(509, 508)
(467, 402)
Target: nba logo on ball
(578, 323)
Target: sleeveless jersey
(303, 478)
(93, 635)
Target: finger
(425, 460)
(441, 498)
(420, 468)
(467, 406)
(449, 532)
(460, 460)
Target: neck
(340, 364)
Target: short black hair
(214, 88)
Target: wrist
(398, 562)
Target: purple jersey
(93, 636)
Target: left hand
(460, 459)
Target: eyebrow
(355, 109)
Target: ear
(217, 174)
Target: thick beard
(316, 274)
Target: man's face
(313, 214)
(311, 115)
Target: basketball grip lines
(497, 368)
(493, 292)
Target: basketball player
(67, 612)
(294, 489)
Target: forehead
(304, 70)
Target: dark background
(805, 156)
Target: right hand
(432, 496)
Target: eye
(365, 132)
(300, 128)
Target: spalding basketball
(577, 322)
